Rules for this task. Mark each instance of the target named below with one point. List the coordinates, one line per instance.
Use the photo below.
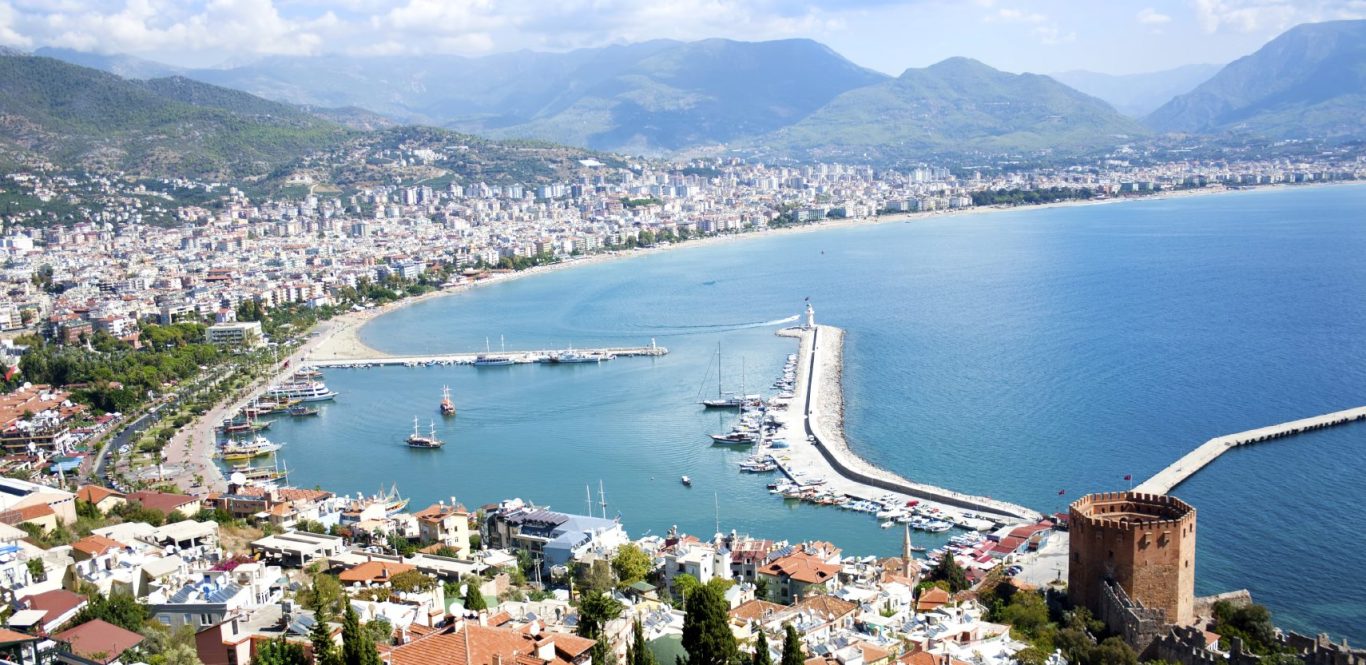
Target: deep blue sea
(1010, 354)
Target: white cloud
(1272, 15)
(1150, 16)
(1007, 15)
(8, 36)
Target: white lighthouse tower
(810, 316)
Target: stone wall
(1186, 645)
(1140, 627)
(1143, 542)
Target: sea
(1033, 355)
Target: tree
(596, 576)
(411, 581)
(280, 652)
(706, 629)
(326, 594)
(120, 609)
(792, 646)
(685, 585)
(631, 564)
(948, 570)
(640, 653)
(602, 653)
(380, 631)
(761, 656)
(357, 647)
(320, 635)
(474, 600)
(595, 610)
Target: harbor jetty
(378, 358)
(814, 426)
(1167, 479)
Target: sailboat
(490, 359)
(447, 406)
(732, 400)
(419, 440)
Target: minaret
(810, 316)
(906, 552)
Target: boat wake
(668, 330)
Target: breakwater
(512, 357)
(1167, 479)
(818, 414)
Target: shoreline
(817, 410)
(344, 343)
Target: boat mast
(602, 499)
(588, 492)
(719, 392)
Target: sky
(1044, 36)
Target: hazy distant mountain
(126, 66)
(1137, 95)
(646, 97)
(1308, 82)
(78, 116)
(957, 106)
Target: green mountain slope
(82, 117)
(1310, 82)
(958, 106)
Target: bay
(1013, 354)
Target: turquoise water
(1008, 354)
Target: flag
(1061, 492)
(1128, 476)
(9, 373)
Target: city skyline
(1044, 37)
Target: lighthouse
(810, 316)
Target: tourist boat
(301, 391)
(299, 411)
(735, 438)
(260, 474)
(447, 406)
(687, 482)
(243, 426)
(258, 446)
(571, 356)
(419, 440)
(490, 359)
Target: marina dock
(814, 427)
(517, 357)
(1167, 479)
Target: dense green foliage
(706, 629)
(357, 646)
(120, 609)
(761, 655)
(989, 197)
(325, 651)
(1251, 623)
(280, 652)
(792, 646)
(638, 652)
(595, 610)
(949, 572)
(474, 601)
(631, 564)
(77, 115)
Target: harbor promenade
(813, 425)
(1167, 479)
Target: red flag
(1128, 476)
(1061, 492)
(9, 373)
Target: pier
(517, 357)
(820, 445)
(1167, 479)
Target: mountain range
(1309, 81)
(786, 98)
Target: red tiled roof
(95, 493)
(374, 571)
(161, 501)
(802, 567)
(755, 610)
(55, 602)
(931, 598)
(99, 640)
(483, 645)
(10, 637)
(95, 545)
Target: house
(795, 575)
(166, 503)
(373, 572)
(99, 641)
(445, 524)
(57, 606)
(103, 498)
(213, 596)
(931, 599)
(554, 538)
(23, 501)
(298, 548)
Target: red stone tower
(1143, 542)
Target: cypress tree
(324, 649)
(474, 601)
(357, 647)
(706, 629)
(641, 654)
(792, 646)
(761, 656)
